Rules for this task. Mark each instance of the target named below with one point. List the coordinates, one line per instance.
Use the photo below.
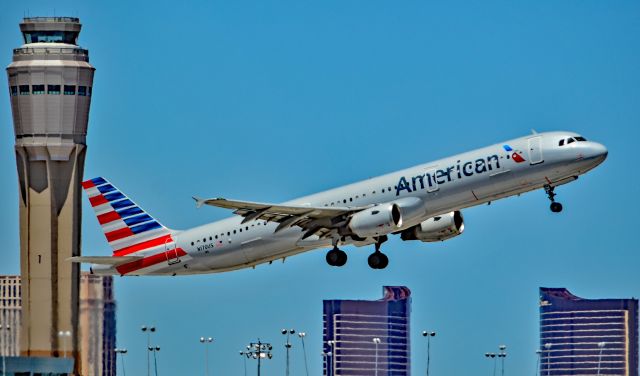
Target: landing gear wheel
(378, 260)
(556, 207)
(336, 257)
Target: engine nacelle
(385, 218)
(435, 229)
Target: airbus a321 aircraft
(419, 203)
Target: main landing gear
(378, 260)
(555, 207)
(336, 257)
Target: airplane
(420, 203)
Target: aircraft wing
(315, 220)
(104, 260)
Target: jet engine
(385, 218)
(435, 229)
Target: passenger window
(24, 89)
(69, 90)
(561, 143)
(216, 236)
(228, 233)
(344, 201)
(53, 89)
(240, 229)
(234, 231)
(382, 190)
(350, 199)
(570, 141)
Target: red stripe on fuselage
(108, 217)
(97, 200)
(118, 234)
(149, 261)
(88, 184)
(143, 245)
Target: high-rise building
(363, 337)
(587, 336)
(50, 87)
(97, 324)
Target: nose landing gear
(555, 207)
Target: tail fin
(127, 227)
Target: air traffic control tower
(50, 86)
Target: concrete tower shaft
(50, 86)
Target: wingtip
(199, 202)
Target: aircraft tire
(377, 260)
(556, 207)
(336, 257)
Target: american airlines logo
(445, 175)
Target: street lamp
(331, 356)
(502, 355)
(601, 346)
(206, 341)
(64, 335)
(539, 353)
(287, 345)
(547, 347)
(154, 350)
(148, 330)
(428, 335)
(376, 341)
(492, 356)
(244, 358)
(259, 350)
(122, 352)
(5, 329)
(304, 351)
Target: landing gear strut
(378, 260)
(336, 256)
(555, 207)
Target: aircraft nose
(598, 151)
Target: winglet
(199, 202)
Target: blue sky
(267, 101)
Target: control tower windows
(89, 92)
(14, 91)
(53, 89)
(24, 89)
(37, 89)
(51, 36)
(82, 91)
(69, 90)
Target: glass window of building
(69, 90)
(53, 89)
(51, 36)
(37, 89)
(14, 90)
(82, 91)
(24, 89)
(89, 91)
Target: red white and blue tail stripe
(129, 230)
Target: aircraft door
(535, 150)
(171, 252)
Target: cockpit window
(579, 138)
(561, 142)
(570, 140)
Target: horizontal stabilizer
(104, 260)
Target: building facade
(50, 86)
(587, 336)
(368, 337)
(97, 324)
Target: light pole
(601, 346)
(287, 345)
(4, 328)
(244, 358)
(206, 342)
(547, 347)
(122, 352)
(154, 350)
(304, 351)
(376, 341)
(148, 330)
(331, 355)
(539, 353)
(259, 350)
(64, 335)
(502, 355)
(428, 335)
(492, 356)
